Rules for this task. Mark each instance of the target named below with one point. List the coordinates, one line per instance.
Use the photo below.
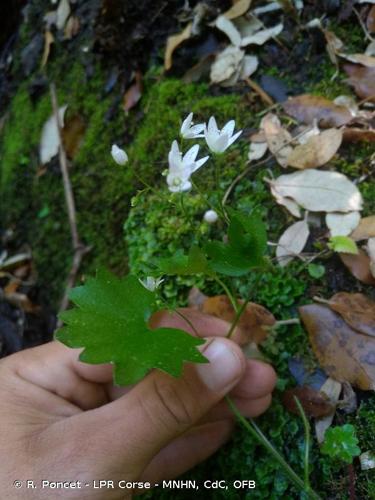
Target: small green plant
(341, 443)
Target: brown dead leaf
(134, 92)
(317, 151)
(238, 9)
(21, 301)
(359, 265)
(72, 28)
(48, 41)
(356, 309)
(363, 59)
(370, 21)
(362, 79)
(173, 42)
(72, 134)
(354, 134)
(314, 403)
(278, 138)
(365, 229)
(332, 389)
(306, 108)
(253, 320)
(343, 353)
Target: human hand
(62, 420)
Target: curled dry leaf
(62, 14)
(134, 92)
(365, 229)
(370, 21)
(332, 389)
(362, 79)
(73, 134)
(72, 28)
(317, 151)
(344, 354)
(292, 242)
(370, 247)
(48, 41)
(356, 309)
(253, 323)
(306, 108)
(354, 134)
(227, 63)
(363, 59)
(342, 224)
(226, 26)
(320, 191)
(262, 36)
(238, 9)
(49, 142)
(278, 139)
(314, 403)
(288, 203)
(359, 266)
(257, 150)
(173, 42)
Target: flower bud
(210, 216)
(119, 155)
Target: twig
(79, 250)
(363, 26)
(262, 94)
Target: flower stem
(257, 434)
(237, 318)
(306, 426)
(228, 292)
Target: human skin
(63, 420)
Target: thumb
(138, 425)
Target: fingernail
(224, 367)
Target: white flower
(189, 130)
(151, 283)
(182, 167)
(119, 155)
(219, 140)
(210, 216)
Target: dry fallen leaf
(292, 242)
(262, 36)
(365, 229)
(317, 151)
(362, 79)
(354, 134)
(314, 403)
(73, 134)
(356, 309)
(228, 64)
(48, 41)
(253, 320)
(363, 59)
(359, 266)
(306, 108)
(257, 150)
(62, 14)
(72, 28)
(173, 42)
(288, 203)
(370, 248)
(226, 26)
(370, 21)
(343, 353)
(278, 138)
(238, 9)
(319, 191)
(134, 92)
(332, 389)
(342, 224)
(49, 142)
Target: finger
(259, 380)
(160, 408)
(187, 451)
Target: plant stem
(237, 318)
(257, 434)
(228, 292)
(306, 426)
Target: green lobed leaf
(247, 243)
(110, 321)
(181, 264)
(340, 442)
(316, 270)
(342, 244)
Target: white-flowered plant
(119, 155)
(182, 167)
(151, 283)
(220, 140)
(189, 130)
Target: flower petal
(199, 163)
(190, 155)
(186, 123)
(234, 138)
(229, 128)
